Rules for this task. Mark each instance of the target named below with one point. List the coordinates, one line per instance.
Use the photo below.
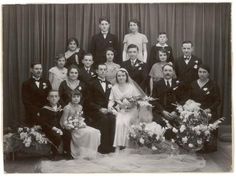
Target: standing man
(103, 40)
(34, 93)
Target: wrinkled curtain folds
(39, 32)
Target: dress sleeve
(125, 39)
(144, 39)
(64, 116)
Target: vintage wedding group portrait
(122, 103)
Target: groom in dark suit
(103, 40)
(136, 68)
(168, 91)
(103, 120)
(34, 94)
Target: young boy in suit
(87, 72)
(103, 40)
(49, 118)
(161, 44)
(136, 68)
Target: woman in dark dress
(70, 84)
(206, 91)
(74, 53)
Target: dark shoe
(122, 147)
(68, 156)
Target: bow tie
(36, 80)
(187, 57)
(102, 81)
(104, 33)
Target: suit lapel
(99, 87)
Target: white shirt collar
(169, 80)
(37, 79)
(101, 78)
(159, 45)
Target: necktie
(167, 84)
(87, 71)
(132, 62)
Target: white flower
(109, 86)
(172, 140)
(208, 93)
(140, 68)
(80, 88)
(195, 66)
(199, 141)
(177, 81)
(174, 130)
(137, 65)
(182, 128)
(175, 88)
(196, 61)
(141, 140)
(20, 129)
(44, 85)
(184, 139)
(190, 145)
(205, 89)
(207, 132)
(92, 73)
(154, 148)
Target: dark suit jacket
(208, 96)
(154, 55)
(138, 72)
(86, 77)
(166, 96)
(99, 45)
(65, 92)
(34, 98)
(187, 73)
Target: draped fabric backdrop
(39, 32)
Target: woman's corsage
(80, 88)
(109, 86)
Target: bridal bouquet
(24, 138)
(130, 102)
(76, 121)
(149, 135)
(193, 128)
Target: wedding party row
(90, 103)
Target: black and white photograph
(111, 87)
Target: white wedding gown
(125, 118)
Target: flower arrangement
(128, 103)
(24, 139)
(193, 128)
(149, 135)
(75, 122)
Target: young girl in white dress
(85, 139)
(58, 73)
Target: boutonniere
(110, 41)
(168, 51)
(80, 88)
(175, 87)
(177, 81)
(93, 75)
(205, 89)
(208, 93)
(140, 68)
(109, 86)
(196, 61)
(44, 85)
(195, 66)
(137, 65)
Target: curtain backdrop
(39, 32)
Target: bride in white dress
(120, 104)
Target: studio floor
(220, 161)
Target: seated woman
(85, 140)
(72, 83)
(120, 103)
(205, 91)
